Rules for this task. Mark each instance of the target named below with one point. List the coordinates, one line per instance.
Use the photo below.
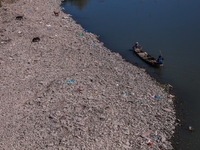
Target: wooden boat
(147, 58)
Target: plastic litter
(80, 90)
(81, 34)
(156, 97)
(190, 128)
(171, 96)
(72, 80)
(19, 17)
(149, 143)
(86, 30)
(56, 13)
(36, 39)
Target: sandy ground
(69, 92)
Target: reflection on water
(79, 3)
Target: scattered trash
(30, 10)
(36, 39)
(5, 41)
(81, 34)
(50, 117)
(79, 90)
(86, 30)
(49, 29)
(51, 1)
(19, 17)
(19, 32)
(140, 101)
(62, 8)
(124, 93)
(72, 80)
(56, 13)
(190, 128)
(101, 57)
(171, 96)
(170, 100)
(48, 25)
(156, 97)
(149, 143)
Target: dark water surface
(172, 26)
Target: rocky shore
(61, 89)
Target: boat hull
(147, 58)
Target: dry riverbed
(65, 90)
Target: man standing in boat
(137, 45)
(160, 60)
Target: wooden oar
(162, 58)
(160, 53)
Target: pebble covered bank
(61, 89)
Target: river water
(169, 26)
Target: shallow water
(169, 26)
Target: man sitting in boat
(137, 45)
(160, 60)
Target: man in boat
(137, 45)
(160, 60)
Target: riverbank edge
(81, 33)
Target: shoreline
(68, 91)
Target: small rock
(146, 134)
(167, 110)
